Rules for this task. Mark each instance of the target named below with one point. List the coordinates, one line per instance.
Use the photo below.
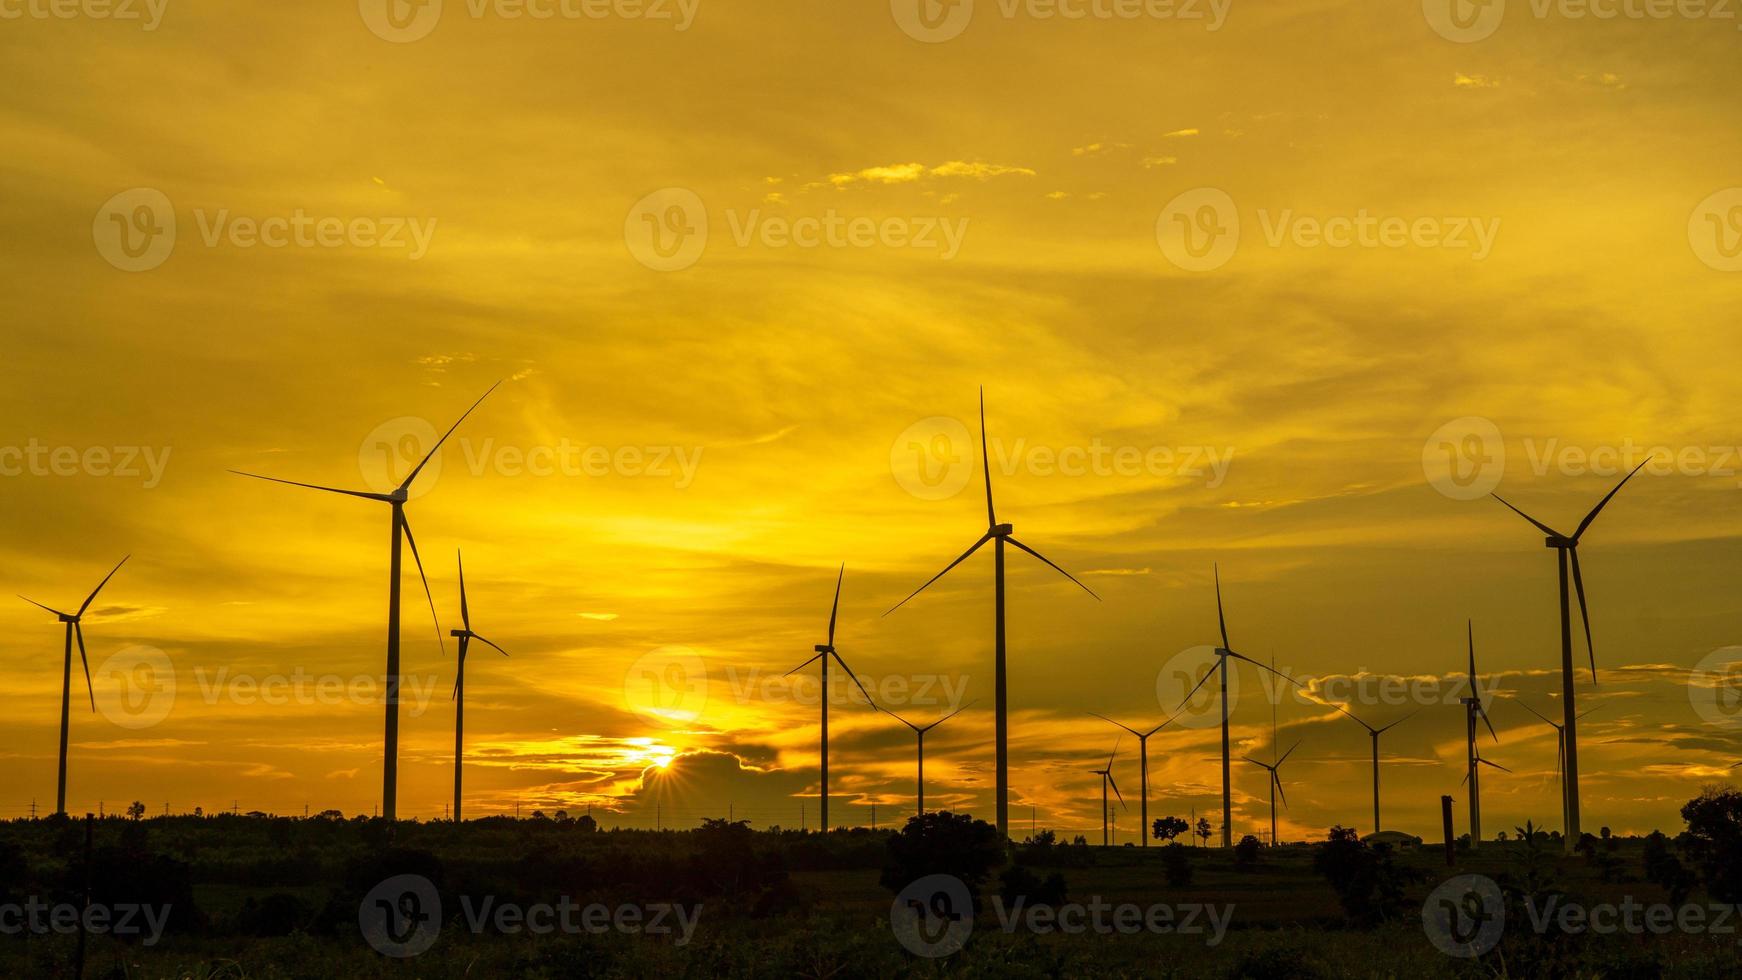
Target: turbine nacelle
(1002, 530)
(824, 648)
(1559, 541)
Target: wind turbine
(1473, 710)
(1567, 547)
(465, 635)
(1143, 769)
(999, 534)
(396, 500)
(1275, 784)
(919, 735)
(1374, 733)
(824, 652)
(1561, 752)
(73, 631)
(1106, 775)
(1223, 652)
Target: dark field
(279, 898)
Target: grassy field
(273, 898)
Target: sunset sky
(703, 416)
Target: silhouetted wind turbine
(1567, 548)
(1374, 733)
(999, 534)
(1223, 652)
(465, 636)
(919, 735)
(1275, 785)
(1143, 769)
(1473, 710)
(1560, 752)
(396, 500)
(1106, 775)
(824, 652)
(73, 631)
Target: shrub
(942, 843)
(1176, 865)
(1246, 853)
(1714, 840)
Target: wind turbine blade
(1544, 528)
(1113, 753)
(1539, 714)
(952, 714)
(1399, 721)
(86, 661)
(99, 588)
(489, 644)
(836, 608)
(1158, 728)
(1465, 779)
(917, 730)
(1601, 503)
(1055, 568)
(1584, 612)
(406, 524)
(802, 666)
(1273, 670)
(432, 450)
(1255, 762)
(1112, 722)
(1480, 713)
(39, 605)
(1285, 755)
(1274, 778)
(315, 486)
(1496, 765)
(1587, 711)
(465, 613)
(976, 547)
(1188, 698)
(1115, 784)
(1221, 620)
(868, 698)
(986, 462)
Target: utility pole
(801, 825)
(33, 809)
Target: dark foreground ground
(280, 898)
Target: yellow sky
(757, 410)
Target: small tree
(1167, 828)
(942, 843)
(1246, 852)
(586, 824)
(137, 810)
(1714, 840)
(1204, 830)
(1664, 869)
(1368, 884)
(1176, 865)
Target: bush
(1176, 864)
(1368, 884)
(1714, 840)
(943, 843)
(1246, 853)
(1018, 884)
(1664, 869)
